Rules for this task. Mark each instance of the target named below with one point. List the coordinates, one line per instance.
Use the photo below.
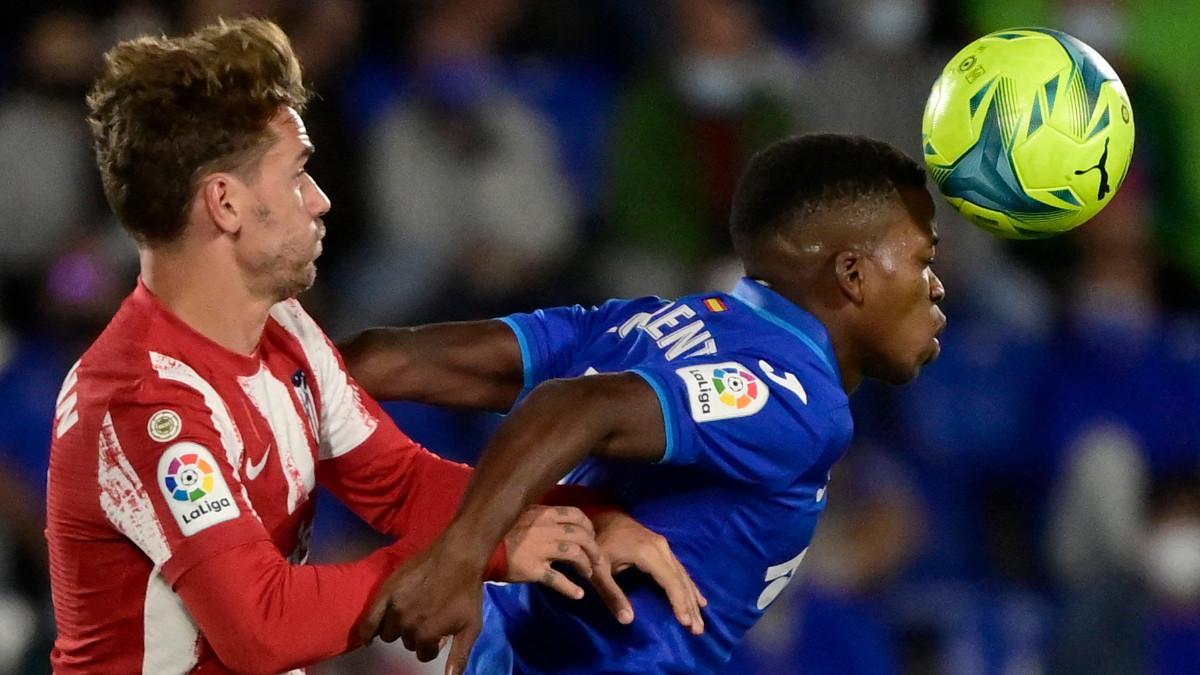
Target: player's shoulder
(169, 381)
(291, 321)
(614, 309)
(160, 403)
(751, 383)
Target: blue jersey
(755, 417)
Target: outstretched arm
(560, 423)
(470, 364)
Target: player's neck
(808, 293)
(848, 362)
(212, 300)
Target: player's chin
(903, 374)
(301, 281)
(309, 277)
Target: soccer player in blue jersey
(714, 418)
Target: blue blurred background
(1030, 505)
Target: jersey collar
(187, 339)
(789, 316)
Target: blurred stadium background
(1030, 505)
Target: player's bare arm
(562, 422)
(477, 364)
(470, 364)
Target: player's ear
(848, 267)
(220, 193)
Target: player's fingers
(671, 578)
(410, 643)
(692, 592)
(681, 573)
(592, 550)
(460, 650)
(369, 625)
(428, 647)
(570, 518)
(612, 595)
(390, 628)
(552, 579)
(572, 553)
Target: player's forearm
(469, 364)
(262, 614)
(561, 423)
(409, 493)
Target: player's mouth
(936, 349)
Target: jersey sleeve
(169, 482)
(550, 339)
(728, 418)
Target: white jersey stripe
(123, 498)
(65, 414)
(231, 439)
(177, 371)
(275, 403)
(345, 422)
(170, 636)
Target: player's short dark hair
(167, 111)
(799, 176)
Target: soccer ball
(1028, 132)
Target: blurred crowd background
(1030, 505)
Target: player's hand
(628, 544)
(545, 534)
(436, 594)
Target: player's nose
(937, 291)
(318, 202)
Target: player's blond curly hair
(168, 111)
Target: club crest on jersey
(300, 382)
(194, 488)
(718, 391)
(164, 426)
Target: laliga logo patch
(164, 426)
(189, 478)
(735, 387)
(719, 391)
(196, 492)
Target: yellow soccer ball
(1028, 132)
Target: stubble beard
(285, 277)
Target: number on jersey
(777, 579)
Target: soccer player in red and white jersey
(189, 438)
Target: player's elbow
(371, 362)
(581, 400)
(617, 414)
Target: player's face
(281, 239)
(905, 320)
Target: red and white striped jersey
(180, 498)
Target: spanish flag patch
(715, 305)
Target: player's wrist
(464, 549)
